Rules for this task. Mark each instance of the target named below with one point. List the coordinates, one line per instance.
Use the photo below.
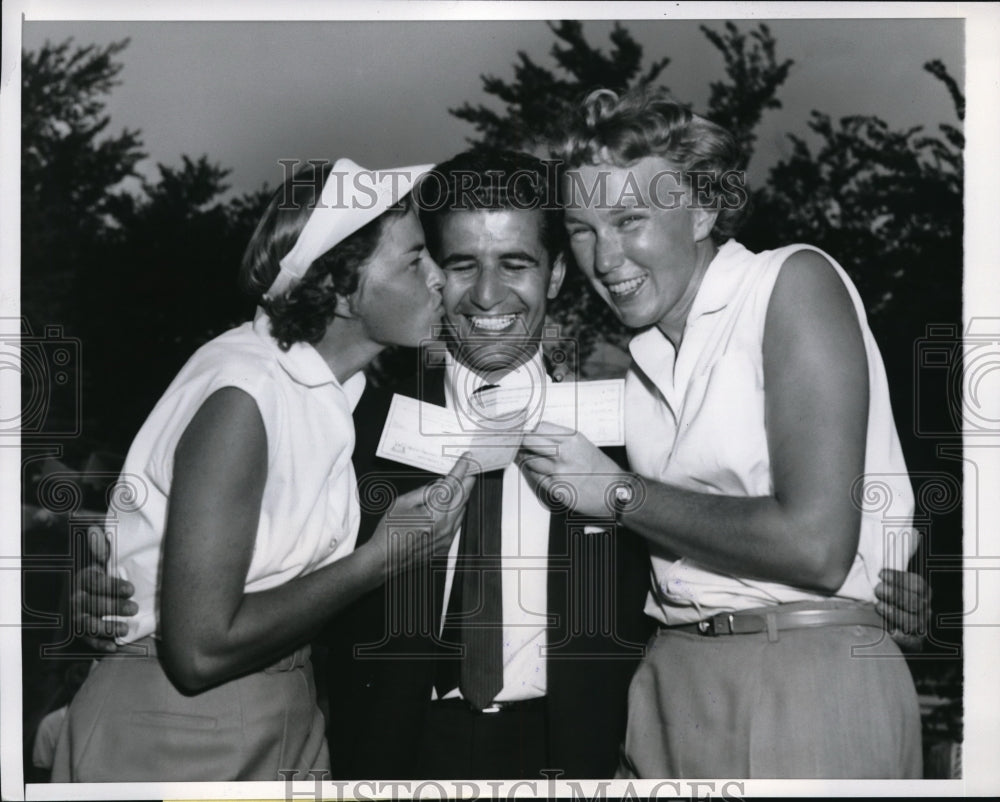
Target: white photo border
(982, 300)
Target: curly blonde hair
(621, 129)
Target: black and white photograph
(411, 400)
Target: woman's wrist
(626, 494)
(371, 562)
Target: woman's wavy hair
(647, 122)
(304, 312)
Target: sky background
(251, 93)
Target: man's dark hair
(490, 179)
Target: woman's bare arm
(816, 400)
(211, 629)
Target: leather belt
(749, 623)
(521, 706)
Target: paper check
(595, 409)
(432, 438)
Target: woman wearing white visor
(239, 541)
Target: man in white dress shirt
(571, 594)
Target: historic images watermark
(48, 366)
(319, 787)
(468, 190)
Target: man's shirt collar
(460, 381)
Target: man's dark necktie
(475, 616)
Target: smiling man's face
(498, 281)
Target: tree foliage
(754, 75)
(887, 203)
(535, 99)
(142, 271)
(66, 169)
(70, 167)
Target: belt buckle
(493, 708)
(721, 624)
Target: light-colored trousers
(809, 705)
(128, 723)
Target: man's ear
(702, 222)
(556, 276)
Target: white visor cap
(352, 196)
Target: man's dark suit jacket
(382, 658)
